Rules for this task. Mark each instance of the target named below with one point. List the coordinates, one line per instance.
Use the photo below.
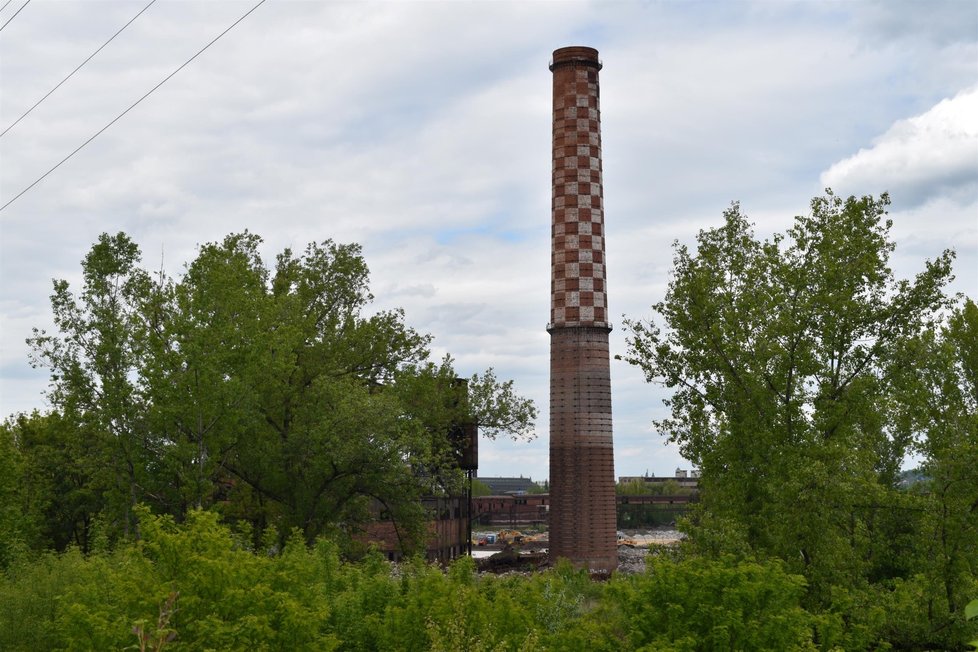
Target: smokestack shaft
(582, 486)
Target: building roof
(508, 485)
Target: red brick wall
(512, 511)
(447, 531)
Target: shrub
(702, 604)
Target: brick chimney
(582, 483)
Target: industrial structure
(582, 480)
(534, 509)
(502, 486)
(682, 480)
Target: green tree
(782, 359)
(306, 398)
(53, 480)
(633, 488)
(272, 394)
(538, 489)
(95, 361)
(14, 525)
(480, 488)
(939, 401)
(204, 338)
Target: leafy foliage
(14, 524)
(271, 394)
(218, 439)
(970, 613)
(197, 585)
(95, 364)
(706, 605)
(803, 373)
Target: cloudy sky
(422, 131)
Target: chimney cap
(575, 55)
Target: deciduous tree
(272, 394)
(96, 358)
(782, 358)
(939, 410)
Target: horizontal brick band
(582, 511)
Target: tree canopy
(803, 374)
(271, 394)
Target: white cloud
(421, 131)
(919, 158)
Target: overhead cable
(92, 55)
(27, 2)
(132, 106)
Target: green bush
(701, 604)
(225, 597)
(197, 586)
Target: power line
(134, 104)
(27, 2)
(5, 5)
(76, 69)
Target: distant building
(511, 486)
(447, 530)
(511, 510)
(685, 479)
(517, 511)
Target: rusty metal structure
(582, 471)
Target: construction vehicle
(510, 537)
(624, 540)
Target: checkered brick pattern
(578, 293)
(582, 466)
